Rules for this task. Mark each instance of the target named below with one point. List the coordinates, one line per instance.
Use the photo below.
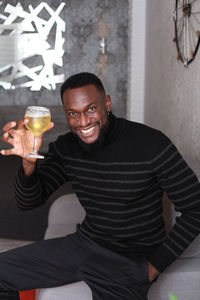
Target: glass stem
(35, 145)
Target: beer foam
(37, 111)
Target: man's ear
(108, 103)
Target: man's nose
(84, 120)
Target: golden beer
(39, 119)
(38, 124)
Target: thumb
(51, 125)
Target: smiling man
(86, 109)
(119, 170)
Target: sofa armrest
(64, 215)
(66, 210)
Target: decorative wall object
(187, 30)
(28, 52)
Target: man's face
(86, 110)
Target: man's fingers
(51, 125)
(21, 123)
(8, 152)
(7, 139)
(12, 133)
(9, 126)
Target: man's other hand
(152, 271)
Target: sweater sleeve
(32, 191)
(183, 188)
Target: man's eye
(92, 109)
(72, 114)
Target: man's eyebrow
(73, 109)
(92, 103)
(70, 109)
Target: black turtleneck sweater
(119, 181)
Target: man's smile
(89, 133)
(86, 131)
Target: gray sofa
(182, 278)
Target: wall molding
(137, 53)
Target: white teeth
(87, 131)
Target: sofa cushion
(8, 244)
(74, 291)
(181, 278)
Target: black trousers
(60, 261)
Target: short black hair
(79, 80)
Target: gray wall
(172, 93)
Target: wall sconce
(102, 45)
(102, 33)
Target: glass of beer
(39, 119)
